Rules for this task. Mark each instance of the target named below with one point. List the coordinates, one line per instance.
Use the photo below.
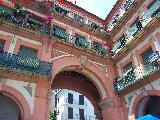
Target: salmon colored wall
(30, 45)
(40, 103)
(8, 40)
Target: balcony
(36, 25)
(119, 14)
(136, 75)
(25, 65)
(143, 22)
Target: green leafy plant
(52, 116)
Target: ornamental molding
(83, 60)
(107, 105)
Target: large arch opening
(9, 109)
(149, 105)
(76, 81)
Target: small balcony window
(154, 7)
(81, 41)
(2, 42)
(28, 57)
(60, 10)
(60, 33)
(96, 45)
(120, 44)
(145, 58)
(28, 52)
(135, 27)
(78, 18)
(129, 72)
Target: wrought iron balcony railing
(136, 75)
(25, 65)
(35, 24)
(122, 10)
(132, 32)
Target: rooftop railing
(135, 75)
(25, 65)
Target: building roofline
(119, 2)
(84, 10)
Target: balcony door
(9, 110)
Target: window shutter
(70, 113)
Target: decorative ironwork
(30, 21)
(134, 76)
(11, 62)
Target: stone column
(41, 100)
(111, 109)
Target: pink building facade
(113, 62)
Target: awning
(148, 117)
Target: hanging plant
(52, 116)
(18, 6)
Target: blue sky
(101, 8)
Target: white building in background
(71, 105)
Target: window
(151, 4)
(70, 98)
(145, 56)
(70, 113)
(122, 41)
(128, 67)
(128, 70)
(60, 32)
(78, 18)
(154, 7)
(80, 41)
(81, 114)
(96, 45)
(2, 42)
(28, 52)
(136, 26)
(81, 100)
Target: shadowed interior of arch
(78, 82)
(9, 110)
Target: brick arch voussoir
(71, 61)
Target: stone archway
(9, 110)
(143, 104)
(91, 71)
(19, 99)
(80, 83)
